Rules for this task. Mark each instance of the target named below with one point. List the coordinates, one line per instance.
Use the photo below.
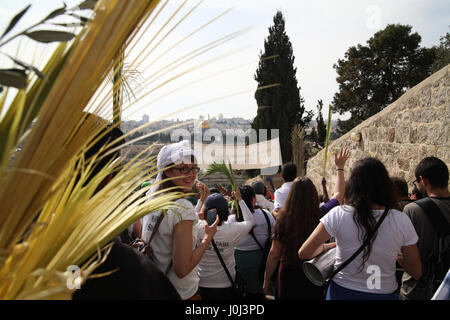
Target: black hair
(289, 171)
(214, 190)
(434, 170)
(247, 194)
(400, 186)
(415, 191)
(369, 185)
(112, 135)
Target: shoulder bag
(238, 284)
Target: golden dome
(203, 125)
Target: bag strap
(223, 263)
(365, 244)
(434, 214)
(256, 240)
(269, 230)
(269, 227)
(155, 229)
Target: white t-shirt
(264, 203)
(210, 270)
(259, 230)
(395, 231)
(162, 244)
(281, 194)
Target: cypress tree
(321, 126)
(279, 107)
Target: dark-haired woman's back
(377, 274)
(371, 275)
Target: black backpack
(438, 261)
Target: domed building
(203, 125)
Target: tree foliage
(320, 125)
(281, 106)
(373, 76)
(442, 53)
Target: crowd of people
(202, 248)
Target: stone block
(372, 133)
(440, 96)
(443, 153)
(413, 135)
(403, 164)
(437, 134)
(391, 134)
(425, 96)
(382, 134)
(422, 134)
(406, 116)
(425, 115)
(402, 134)
(413, 102)
(372, 147)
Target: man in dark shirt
(431, 180)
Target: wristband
(340, 169)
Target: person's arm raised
(340, 160)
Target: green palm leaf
(228, 172)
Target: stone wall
(413, 127)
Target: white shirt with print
(210, 270)
(162, 244)
(378, 273)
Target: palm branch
(50, 217)
(228, 172)
(327, 138)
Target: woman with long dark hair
(371, 275)
(250, 252)
(295, 222)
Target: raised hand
(237, 194)
(203, 189)
(341, 158)
(211, 230)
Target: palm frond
(227, 170)
(327, 138)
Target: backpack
(438, 261)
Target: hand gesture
(203, 190)
(341, 158)
(237, 194)
(211, 230)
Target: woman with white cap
(174, 249)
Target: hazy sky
(320, 32)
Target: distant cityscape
(159, 132)
(220, 123)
